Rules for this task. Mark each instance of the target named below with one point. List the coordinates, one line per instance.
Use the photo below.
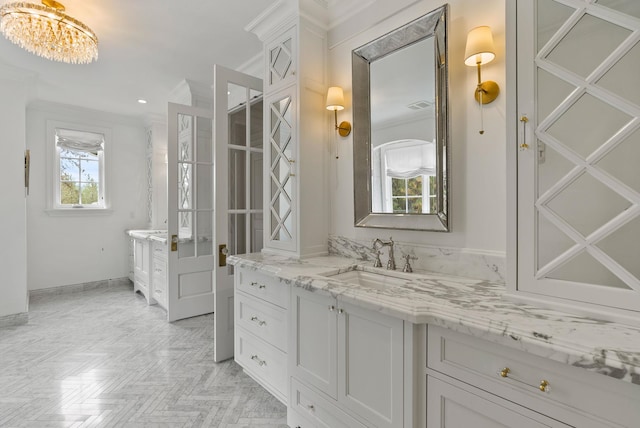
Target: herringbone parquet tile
(102, 358)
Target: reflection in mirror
(401, 127)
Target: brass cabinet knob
(544, 386)
(505, 372)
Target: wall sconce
(335, 102)
(481, 50)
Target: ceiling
(146, 48)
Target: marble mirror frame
(432, 25)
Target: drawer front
(518, 376)
(159, 267)
(263, 287)
(261, 360)
(160, 250)
(311, 406)
(267, 321)
(452, 404)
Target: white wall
(79, 249)
(13, 285)
(478, 169)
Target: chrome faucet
(377, 244)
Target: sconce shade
(480, 48)
(335, 98)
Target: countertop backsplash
(490, 266)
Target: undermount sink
(378, 281)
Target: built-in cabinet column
(575, 192)
(296, 163)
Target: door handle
(222, 254)
(174, 242)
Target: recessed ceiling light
(141, 101)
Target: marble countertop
(148, 234)
(466, 305)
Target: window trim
(53, 170)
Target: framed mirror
(400, 126)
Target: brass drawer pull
(544, 385)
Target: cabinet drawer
(160, 251)
(159, 267)
(452, 404)
(261, 360)
(317, 409)
(263, 287)
(517, 376)
(267, 321)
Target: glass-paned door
(190, 218)
(238, 192)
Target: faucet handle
(407, 265)
(377, 262)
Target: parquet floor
(103, 358)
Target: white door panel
(238, 149)
(190, 218)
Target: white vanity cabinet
(141, 267)
(468, 376)
(347, 363)
(260, 318)
(148, 267)
(131, 247)
(159, 272)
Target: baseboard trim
(75, 288)
(14, 320)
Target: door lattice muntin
(594, 86)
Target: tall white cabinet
(575, 190)
(295, 135)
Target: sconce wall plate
(344, 129)
(490, 91)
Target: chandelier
(48, 32)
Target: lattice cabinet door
(579, 154)
(281, 181)
(281, 61)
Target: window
(78, 179)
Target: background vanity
(148, 264)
